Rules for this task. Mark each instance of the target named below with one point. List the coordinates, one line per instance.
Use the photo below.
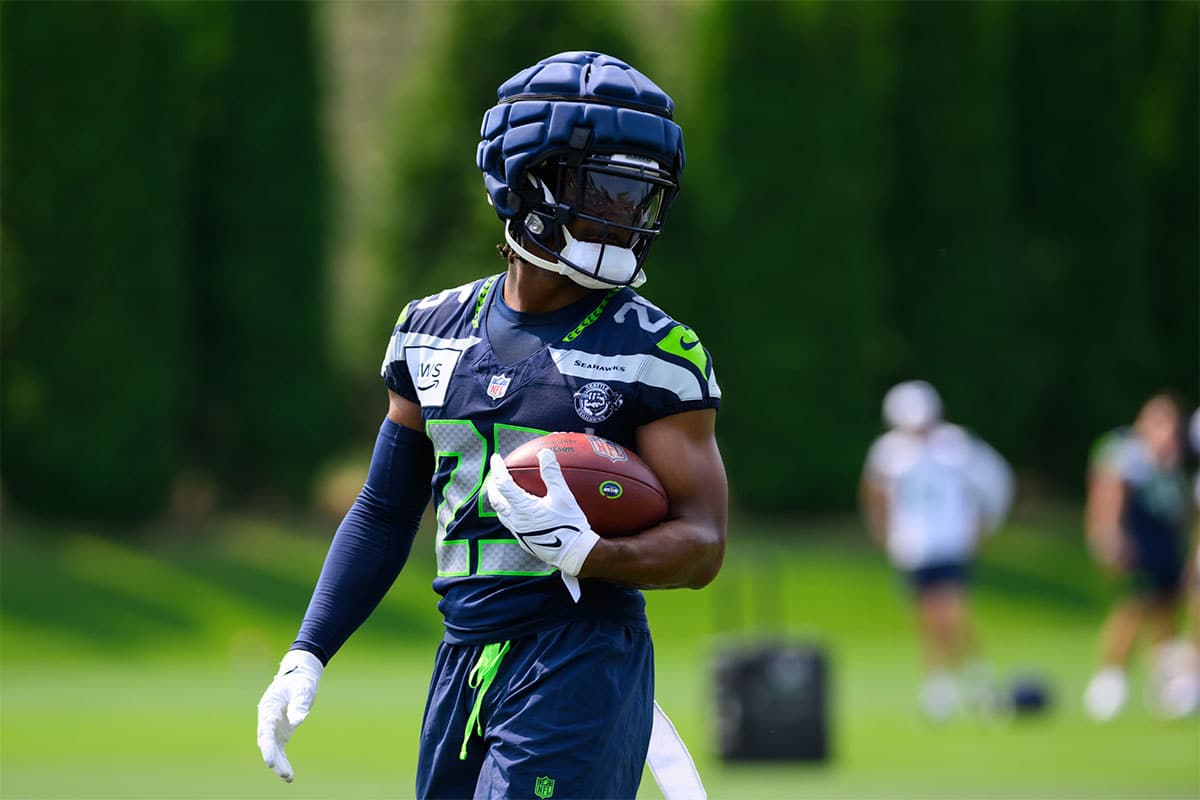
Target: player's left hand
(1112, 551)
(552, 528)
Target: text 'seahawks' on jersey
(623, 364)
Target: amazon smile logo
(431, 369)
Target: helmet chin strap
(591, 256)
(587, 255)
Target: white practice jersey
(1194, 436)
(945, 488)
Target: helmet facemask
(595, 217)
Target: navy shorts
(933, 576)
(567, 716)
(1157, 570)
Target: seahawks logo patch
(596, 402)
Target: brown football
(617, 491)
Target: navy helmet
(581, 160)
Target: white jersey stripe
(646, 369)
(713, 389)
(413, 339)
(464, 293)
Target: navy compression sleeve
(373, 541)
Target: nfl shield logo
(543, 787)
(603, 447)
(497, 389)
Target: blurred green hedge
(163, 259)
(95, 294)
(999, 198)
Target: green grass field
(131, 670)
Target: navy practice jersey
(623, 364)
(1155, 511)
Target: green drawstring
(480, 679)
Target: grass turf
(131, 669)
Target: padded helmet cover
(542, 108)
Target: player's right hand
(284, 706)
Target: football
(617, 491)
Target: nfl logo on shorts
(544, 787)
(499, 386)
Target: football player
(543, 684)
(1135, 520)
(930, 491)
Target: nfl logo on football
(613, 452)
(499, 386)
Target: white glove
(284, 706)
(552, 528)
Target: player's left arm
(873, 503)
(1102, 519)
(687, 549)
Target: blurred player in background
(544, 682)
(930, 491)
(1179, 693)
(1136, 520)
(1194, 562)
(1183, 693)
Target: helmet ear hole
(535, 199)
(534, 224)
